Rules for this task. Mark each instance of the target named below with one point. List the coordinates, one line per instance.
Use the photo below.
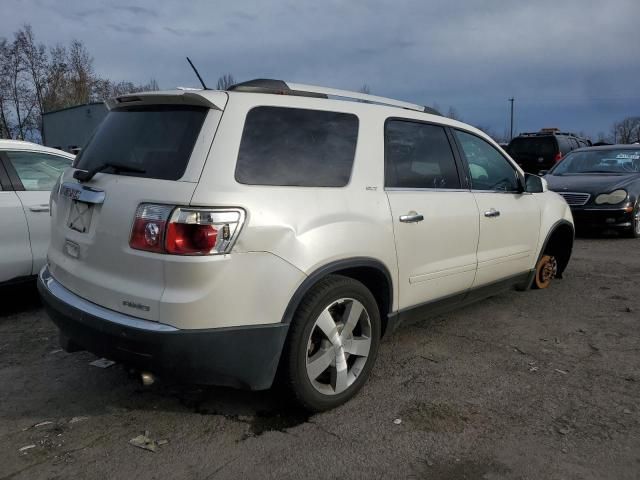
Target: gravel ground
(541, 384)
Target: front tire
(333, 343)
(634, 231)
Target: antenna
(197, 74)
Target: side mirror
(542, 173)
(533, 183)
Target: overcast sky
(573, 64)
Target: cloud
(572, 61)
(187, 32)
(137, 10)
(131, 29)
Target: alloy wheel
(338, 346)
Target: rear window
(157, 140)
(539, 146)
(297, 147)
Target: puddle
(279, 421)
(470, 470)
(262, 411)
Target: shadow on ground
(20, 298)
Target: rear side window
(418, 155)
(564, 145)
(156, 140)
(297, 147)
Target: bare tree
(453, 114)
(491, 132)
(5, 128)
(81, 74)
(225, 81)
(104, 89)
(626, 130)
(365, 89)
(35, 79)
(17, 98)
(57, 79)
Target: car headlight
(612, 198)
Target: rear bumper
(241, 357)
(602, 217)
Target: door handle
(492, 212)
(39, 208)
(411, 217)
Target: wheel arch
(372, 273)
(559, 243)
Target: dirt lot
(542, 384)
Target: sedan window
(600, 161)
(36, 170)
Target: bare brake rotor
(546, 271)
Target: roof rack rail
(279, 87)
(548, 132)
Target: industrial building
(70, 128)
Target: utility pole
(511, 135)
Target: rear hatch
(534, 153)
(149, 149)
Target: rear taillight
(149, 227)
(558, 157)
(185, 230)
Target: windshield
(600, 161)
(153, 141)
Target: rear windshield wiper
(86, 175)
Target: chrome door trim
(416, 189)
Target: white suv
(224, 236)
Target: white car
(224, 236)
(27, 173)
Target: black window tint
(157, 139)
(418, 155)
(297, 147)
(526, 147)
(564, 145)
(489, 170)
(574, 143)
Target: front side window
(36, 170)
(418, 155)
(489, 170)
(297, 147)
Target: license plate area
(80, 215)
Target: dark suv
(542, 150)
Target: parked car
(602, 187)
(542, 150)
(27, 173)
(222, 236)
